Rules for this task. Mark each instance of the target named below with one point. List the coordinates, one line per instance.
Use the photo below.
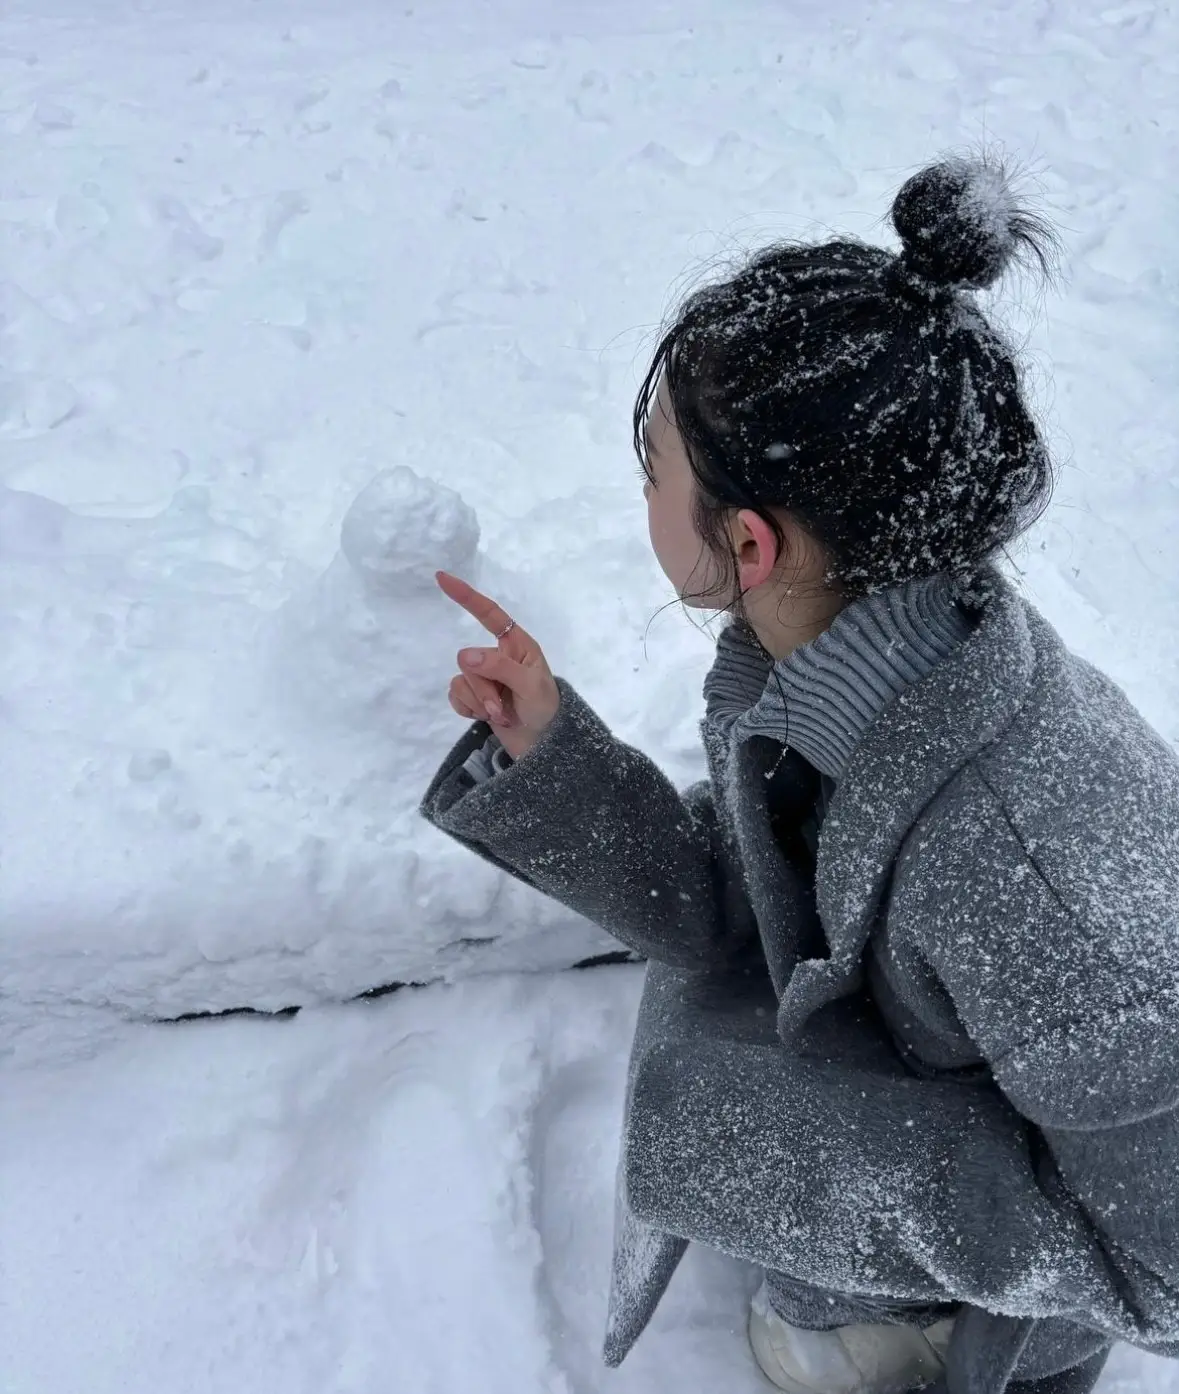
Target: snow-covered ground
(406, 1197)
(291, 288)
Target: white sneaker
(862, 1359)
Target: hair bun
(960, 224)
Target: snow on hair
(864, 391)
(961, 224)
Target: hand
(509, 686)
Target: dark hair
(864, 392)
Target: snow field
(293, 298)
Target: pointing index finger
(494, 618)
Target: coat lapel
(765, 780)
(923, 738)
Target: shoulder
(1089, 790)
(1079, 792)
(1077, 772)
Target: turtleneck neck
(821, 698)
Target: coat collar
(915, 747)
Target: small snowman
(371, 643)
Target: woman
(910, 1035)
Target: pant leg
(1081, 1379)
(815, 1309)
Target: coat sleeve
(596, 825)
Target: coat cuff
(458, 795)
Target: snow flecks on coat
(999, 1125)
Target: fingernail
(496, 712)
(471, 657)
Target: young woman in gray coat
(910, 1035)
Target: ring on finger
(507, 629)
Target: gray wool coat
(942, 1065)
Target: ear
(756, 549)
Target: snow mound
(372, 641)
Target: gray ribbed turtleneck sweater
(821, 699)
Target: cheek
(657, 523)
(672, 536)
